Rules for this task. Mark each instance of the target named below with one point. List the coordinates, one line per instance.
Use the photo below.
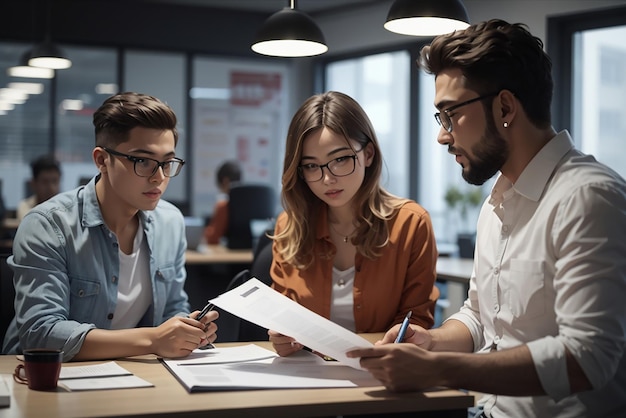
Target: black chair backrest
(7, 295)
(247, 202)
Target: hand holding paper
(260, 304)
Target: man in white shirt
(543, 330)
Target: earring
(506, 124)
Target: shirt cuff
(548, 355)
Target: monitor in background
(194, 230)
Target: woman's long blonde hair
(372, 205)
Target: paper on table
(221, 355)
(301, 370)
(109, 375)
(100, 383)
(107, 369)
(258, 303)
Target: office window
(24, 124)
(239, 111)
(588, 56)
(381, 85)
(599, 92)
(81, 89)
(163, 75)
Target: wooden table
(10, 223)
(168, 398)
(218, 254)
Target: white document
(221, 355)
(300, 370)
(109, 375)
(102, 383)
(107, 369)
(260, 304)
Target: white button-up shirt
(550, 272)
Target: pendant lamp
(46, 54)
(426, 17)
(27, 71)
(289, 33)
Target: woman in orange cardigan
(344, 247)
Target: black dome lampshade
(289, 33)
(48, 55)
(426, 17)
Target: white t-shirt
(342, 299)
(134, 290)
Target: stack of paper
(253, 367)
(108, 375)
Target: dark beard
(489, 156)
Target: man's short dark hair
(44, 163)
(229, 170)
(120, 113)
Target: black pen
(208, 307)
(403, 327)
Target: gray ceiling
(271, 6)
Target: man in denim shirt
(99, 271)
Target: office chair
(247, 202)
(233, 328)
(7, 295)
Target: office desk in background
(209, 271)
(455, 272)
(218, 254)
(168, 398)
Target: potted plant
(461, 202)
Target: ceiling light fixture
(46, 54)
(426, 17)
(290, 33)
(26, 71)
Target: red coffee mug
(42, 368)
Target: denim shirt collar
(92, 215)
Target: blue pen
(403, 327)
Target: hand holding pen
(403, 327)
(207, 308)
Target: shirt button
(81, 293)
(496, 271)
(113, 279)
(358, 306)
(110, 316)
(505, 228)
(496, 308)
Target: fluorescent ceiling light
(30, 88)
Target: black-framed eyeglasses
(146, 167)
(338, 167)
(443, 117)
